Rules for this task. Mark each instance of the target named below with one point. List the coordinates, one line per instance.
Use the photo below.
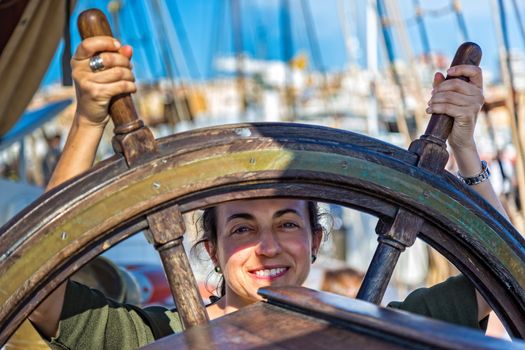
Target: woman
(253, 243)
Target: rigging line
(423, 34)
(506, 43)
(170, 33)
(388, 43)
(439, 12)
(287, 52)
(140, 49)
(180, 30)
(312, 36)
(235, 13)
(456, 6)
(519, 19)
(412, 80)
(261, 33)
(434, 13)
(171, 68)
(215, 35)
(501, 26)
(347, 33)
(315, 49)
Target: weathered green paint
(168, 182)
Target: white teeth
(270, 272)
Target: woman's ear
(317, 237)
(212, 252)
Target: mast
(423, 34)
(287, 52)
(508, 80)
(237, 36)
(167, 47)
(185, 44)
(456, 6)
(388, 42)
(371, 65)
(411, 81)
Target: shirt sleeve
(91, 321)
(453, 301)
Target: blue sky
(263, 36)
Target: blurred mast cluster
(244, 75)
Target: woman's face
(263, 242)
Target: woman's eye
(289, 225)
(241, 229)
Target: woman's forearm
(469, 165)
(79, 151)
(78, 156)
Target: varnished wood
(167, 229)
(432, 155)
(303, 319)
(132, 138)
(359, 166)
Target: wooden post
(132, 138)
(393, 239)
(167, 230)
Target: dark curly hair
(208, 229)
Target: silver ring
(96, 64)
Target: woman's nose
(269, 244)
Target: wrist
(482, 176)
(81, 120)
(467, 159)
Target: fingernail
(117, 44)
(451, 70)
(428, 110)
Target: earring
(217, 269)
(314, 258)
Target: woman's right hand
(94, 90)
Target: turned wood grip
(440, 125)
(91, 23)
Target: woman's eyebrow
(240, 216)
(285, 211)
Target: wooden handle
(440, 125)
(121, 109)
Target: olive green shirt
(91, 321)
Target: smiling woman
(258, 243)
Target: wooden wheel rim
(248, 161)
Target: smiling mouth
(270, 274)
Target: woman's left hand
(460, 100)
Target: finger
(126, 51)
(113, 59)
(454, 111)
(102, 92)
(460, 86)
(438, 79)
(113, 75)
(456, 99)
(474, 73)
(90, 46)
(121, 87)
